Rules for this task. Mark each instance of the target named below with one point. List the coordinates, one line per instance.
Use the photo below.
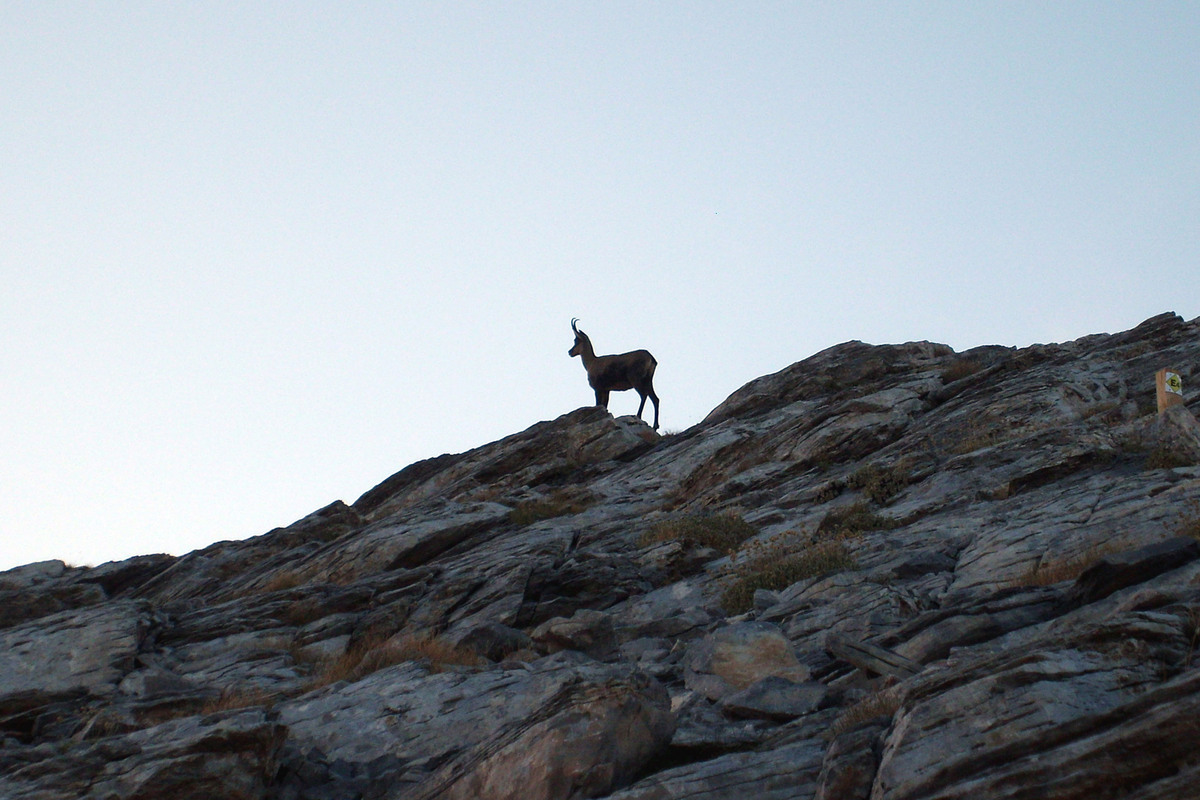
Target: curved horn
(573, 321)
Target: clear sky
(256, 257)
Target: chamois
(617, 373)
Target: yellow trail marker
(1170, 389)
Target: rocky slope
(886, 572)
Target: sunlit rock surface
(967, 575)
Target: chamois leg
(648, 391)
(602, 398)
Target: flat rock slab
(402, 542)
(1067, 704)
(775, 698)
(784, 773)
(89, 650)
(1142, 748)
(229, 755)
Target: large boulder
(564, 721)
(734, 657)
(587, 740)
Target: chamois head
(580, 338)
(616, 373)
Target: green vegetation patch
(722, 532)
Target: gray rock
(88, 650)
(22, 605)
(590, 632)
(229, 755)
(117, 578)
(775, 698)
(777, 774)
(585, 741)
(848, 769)
(736, 656)
(30, 575)
(1018, 567)
(1177, 432)
(495, 641)
(1117, 571)
(408, 717)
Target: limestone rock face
(884, 572)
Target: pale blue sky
(258, 256)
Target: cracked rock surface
(940, 575)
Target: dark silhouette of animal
(616, 373)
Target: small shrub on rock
(559, 504)
(883, 703)
(1057, 570)
(961, 368)
(829, 491)
(779, 562)
(722, 532)
(881, 484)
(371, 655)
(855, 519)
(231, 699)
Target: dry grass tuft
(779, 562)
(884, 703)
(372, 655)
(722, 532)
(855, 519)
(231, 699)
(283, 580)
(559, 504)
(881, 484)
(1057, 570)
(961, 368)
